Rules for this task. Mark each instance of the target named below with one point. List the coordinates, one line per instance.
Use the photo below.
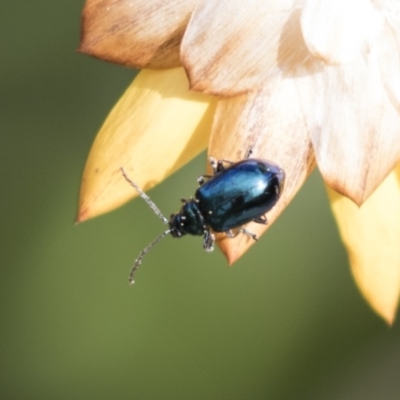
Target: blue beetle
(236, 193)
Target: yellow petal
(140, 33)
(371, 234)
(270, 122)
(155, 128)
(230, 47)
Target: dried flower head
(302, 82)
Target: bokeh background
(285, 322)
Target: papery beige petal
(231, 47)
(354, 125)
(372, 237)
(140, 33)
(270, 122)
(387, 50)
(155, 128)
(337, 31)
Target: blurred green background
(285, 322)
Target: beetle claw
(201, 180)
(248, 233)
(262, 219)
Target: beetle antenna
(138, 261)
(146, 198)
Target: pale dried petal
(155, 128)
(231, 47)
(140, 33)
(354, 125)
(337, 31)
(387, 51)
(269, 121)
(372, 236)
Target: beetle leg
(218, 165)
(262, 219)
(201, 180)
(230, 234)
(248, 233)
(208, 241)
(249, 153)
(214, 165)
(221, 164)
(184, 201)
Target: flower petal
(140, 33)
(372, 236)
(388, 51)
(271, 123)
(155, 128)
(354, 125)
(230, 47)
(336, 31)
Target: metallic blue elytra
(239, 194)
(234, 195)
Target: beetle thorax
(188, 221)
